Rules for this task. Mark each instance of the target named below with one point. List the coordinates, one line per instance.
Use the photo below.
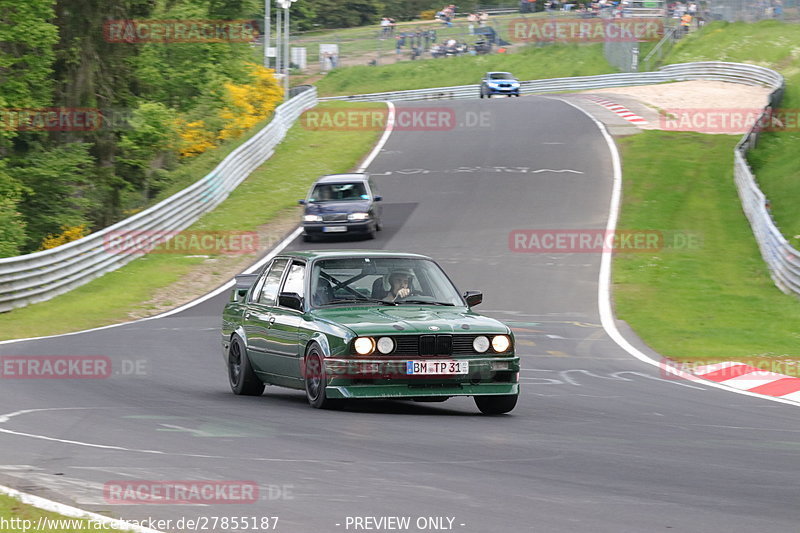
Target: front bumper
(502, 90)
(386, 378)
(319, 228)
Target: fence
(37, 277)
(782, 260)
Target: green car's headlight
(480, 344)
(385, 345)
(364, 345)
(500, 343)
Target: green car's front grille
(433, 345)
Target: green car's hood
(406, 319)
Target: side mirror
(292, 300)
(301, 202)
(378, 197)
(473, 298)
(243, 284)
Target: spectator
(483, 18)
(385, 27)
(472, 19)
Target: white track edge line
(604, 285)
(73, 512)
(279, 248)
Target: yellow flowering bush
(68, 234)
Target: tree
(55, 181)
(12, 223)
(346, 13)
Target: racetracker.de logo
(55, 367)
(126, 492)
(181, 242)
(599, 240)
(567, 30)
(729, 120)
(376, 119)
(179, 31)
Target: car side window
(294, 280)
(269, 293)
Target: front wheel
(241, 377)
(316, 381)
(496, 405)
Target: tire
(496, 405)
(242, 379)
(307, 238)
(316, 380)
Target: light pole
(267, 28)
(285, 4)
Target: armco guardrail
(710, 70)
(42, 275)
(782, 259)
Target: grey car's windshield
(337, 192)
(501, 76)
(396, 281)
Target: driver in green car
(398, 285)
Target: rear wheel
(316, 380)
(496, 405)
(242, 378)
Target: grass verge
(713, 303)
(21, 518)
(275, 186)
(552, 61)
(775, 45)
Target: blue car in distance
(499, 83)
(342, 204)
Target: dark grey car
(342, 204)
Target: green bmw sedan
(344, 325)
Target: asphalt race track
(600, 442)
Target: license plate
(333, 229)
(437, 367)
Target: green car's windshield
(384, 281)
(338, 192)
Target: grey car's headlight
(312, 218)
(385, 345)
(358, 216)
(500, 343)
(480, 344)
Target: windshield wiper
(356, 300)
(425, 302)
